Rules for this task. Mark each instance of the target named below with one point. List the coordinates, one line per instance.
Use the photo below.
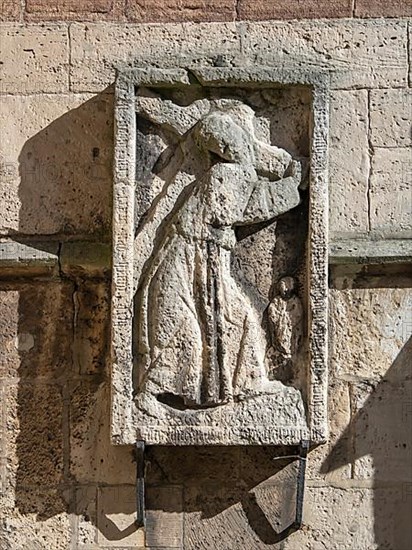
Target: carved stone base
(261, 420)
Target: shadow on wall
(380, 437)
(66, 169)
(65, 463)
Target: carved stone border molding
(124, 430)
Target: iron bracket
(140, 484)
(300, 490)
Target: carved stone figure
(199, 339)
(286, 320)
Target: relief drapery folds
(199, 338)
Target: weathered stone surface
(38, 522)
(94, 59)
(91, 336)
(10, 10)
(155, 11)
(164, 519)
(359, 53)
(380, 8)
(116, 518)
(93, 458)
(75, 10)
(193, 304)
(34, 256)
(372, 510)
(281, 9)
(32, 47)
(31, 346)
(348, 196)
(368, 251)
(409, 46)
(57, 157)
(33, 436)
(336, 518)
(391, 115)
(332, 462)
(86, 517)
(377, 323)
(391, 192)
(382, 422)
(84, 258)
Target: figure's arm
(167, 113)
(273, 198)
(270, 161)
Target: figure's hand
(271, 162)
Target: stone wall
(63, 485)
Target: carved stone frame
(123, 429)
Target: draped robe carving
(199, 338)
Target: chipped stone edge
(123, 431)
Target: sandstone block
(10, 10)
(193, 465)
(164, 519)
(380, 8)
(86, 516)
(85, 259)
(215, 518)
(369, 327)
(94, 58)
(369, 53)
(382, 426)
(31, 346)
(72, 10)
(348, 161)
(58, 154)
(116, 518)
(391, 192)
(275, 9)
(41, 521)
(350, 49)
(155, 11)
(43, 58)
(332, 462)
(341, 519)
(391, 115)
(93, 458)
(33, 435)
(91, 332)
(35, 258)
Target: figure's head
(220, 133)
(286, 287)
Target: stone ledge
(85, 258)
(88, 258)
(367, 251)
(52, 258)
(34, 258)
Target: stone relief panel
(218, 328)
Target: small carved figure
(200, 342)
(286, 320)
